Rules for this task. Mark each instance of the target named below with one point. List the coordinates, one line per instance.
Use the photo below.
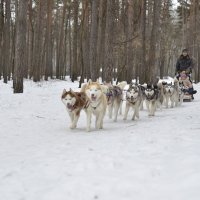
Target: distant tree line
(112, 39)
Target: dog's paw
(72, 126)
(88, 129)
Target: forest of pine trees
(112, 39)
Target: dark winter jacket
(184, 63)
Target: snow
(153, 158)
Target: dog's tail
(122, 85)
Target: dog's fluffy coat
(96, 103)
(74, 102)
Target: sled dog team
(94, 98)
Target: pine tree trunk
(93, 41)
(108, 70)
(75, 43)
(20, 47)
(1, 35)
(49, 45)
(6, 43)
(153, 41)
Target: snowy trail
(42, 159)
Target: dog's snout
(92, 95)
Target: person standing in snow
(184, 63)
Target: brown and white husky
(74, 102)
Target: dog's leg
(116, 109)
(150, 108)
(141, 106)
(136, 112)
(172, 102)
(181, 99)
(126, 111)
(154, 108)
(110, 110)
(159, 103)
(167, 101)
(72, 119)
(147, 105)
(89, 116)
(99, 120)
(177, 100)
(120, 111)
(76, 117)
(102, 117)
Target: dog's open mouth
(70, 107)
(93, 98)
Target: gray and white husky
(114, 98)
(134, 100)
(171, 93)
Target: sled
(187, 98)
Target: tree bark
(20, 47)
(75, 43)
(108, 70)
(93, 41)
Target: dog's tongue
(93, 98)
(70, 107)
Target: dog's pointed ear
(155, 86)
(64, 91)
(164, 83)
(71, 90)
(89, 82)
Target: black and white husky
(134, 100)
(153, 97)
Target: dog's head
(150, 90)
(68, 98)
(169, 88)
(133, 91)
(93, 91)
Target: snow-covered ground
(153, 158)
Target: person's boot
(194, 92)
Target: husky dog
(134, 100)
(171, 93)
(96, 103)
(153, 98)
(180, 92)
(74, 102)
(114, 98)
(142, 87)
